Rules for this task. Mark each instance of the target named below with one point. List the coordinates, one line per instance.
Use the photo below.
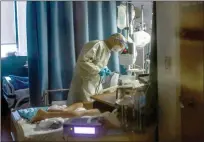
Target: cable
(97, 87)
(100, 82)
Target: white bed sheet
(26, 131)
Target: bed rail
(46, 95)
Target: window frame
(16, 36)
(16, 23)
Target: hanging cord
(97, 87)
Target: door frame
(168, 58)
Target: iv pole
(142, 18)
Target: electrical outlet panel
(167, 63)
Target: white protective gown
(93, 57)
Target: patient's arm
(41, 114)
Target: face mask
(116, 48)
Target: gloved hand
(102, 72)
(107, 71)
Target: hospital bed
(21, 130)
(15, 91)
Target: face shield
(123, 43)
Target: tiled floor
(5, 129)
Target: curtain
(56, 32)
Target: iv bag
(122, 17)
(141, 39)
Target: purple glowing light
(84, 130)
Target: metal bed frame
(46, 95)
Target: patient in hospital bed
(75, 110)
(47, 121)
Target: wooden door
(191, 70)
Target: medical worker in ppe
(91, 65)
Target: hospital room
(102, 71)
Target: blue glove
(107, 71)
(102, 72)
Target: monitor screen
(84, 130)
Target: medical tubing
(97, 87)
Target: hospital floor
(5, 128)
